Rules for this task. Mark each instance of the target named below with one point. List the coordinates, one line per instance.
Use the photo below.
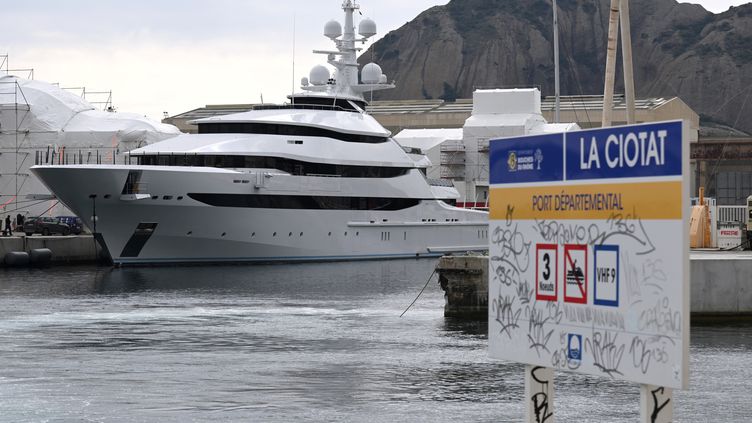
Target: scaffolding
(100, 99)
(12, 101)
(27, 73)
(452, 160)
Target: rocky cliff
(679, 49)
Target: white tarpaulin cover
(426, 139)
(50, 115)
(42, 122)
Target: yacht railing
(78, 156)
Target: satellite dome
(332, 29)
(382, 79)
(367, 28)
(319, 75)
(371, 74)
(304, 81)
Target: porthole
(301, 234)
(180, 197)
(224, 233)
(290, 234)
(274, 234)
(154, 197)
(106, 196)
(357, 233)
(167, 197)
(253, 234)
(189, 233)
(330, 234)
(345, 233)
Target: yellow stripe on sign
(654, 200)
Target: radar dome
(304, 81)
(367, 28)
(332, 29)
(371, 74)
(319, 75)
(382, 79)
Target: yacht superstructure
(316, 179)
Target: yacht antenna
(345, 82)
(292, 91)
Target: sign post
(589, 259)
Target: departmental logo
(512, 161)
(574, 347)
(538, 157)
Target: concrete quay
(720, 285)
(65, 249)
(464, 280)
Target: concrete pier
(720, 285)
(65, 249)
(464, 280)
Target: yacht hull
(164, 224)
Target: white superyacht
(316, 179)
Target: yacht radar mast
(344, 59)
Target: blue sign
(574, 346)
(650, 149)
(653, 149)
(537, 158)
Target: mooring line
(419, 294)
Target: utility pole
(557, 93)
(626, 51)
(619, 12)
(608, 89)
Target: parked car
(75, 223)
(45, 226)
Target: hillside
(680, 49)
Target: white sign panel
(589, 252)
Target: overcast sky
(177, 55)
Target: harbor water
(305, 342)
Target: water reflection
(322, 342)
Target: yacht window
(306, 202)
(294, 167)
(279, 129)
(328, 101)
(132, 183)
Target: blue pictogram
(574, 346)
